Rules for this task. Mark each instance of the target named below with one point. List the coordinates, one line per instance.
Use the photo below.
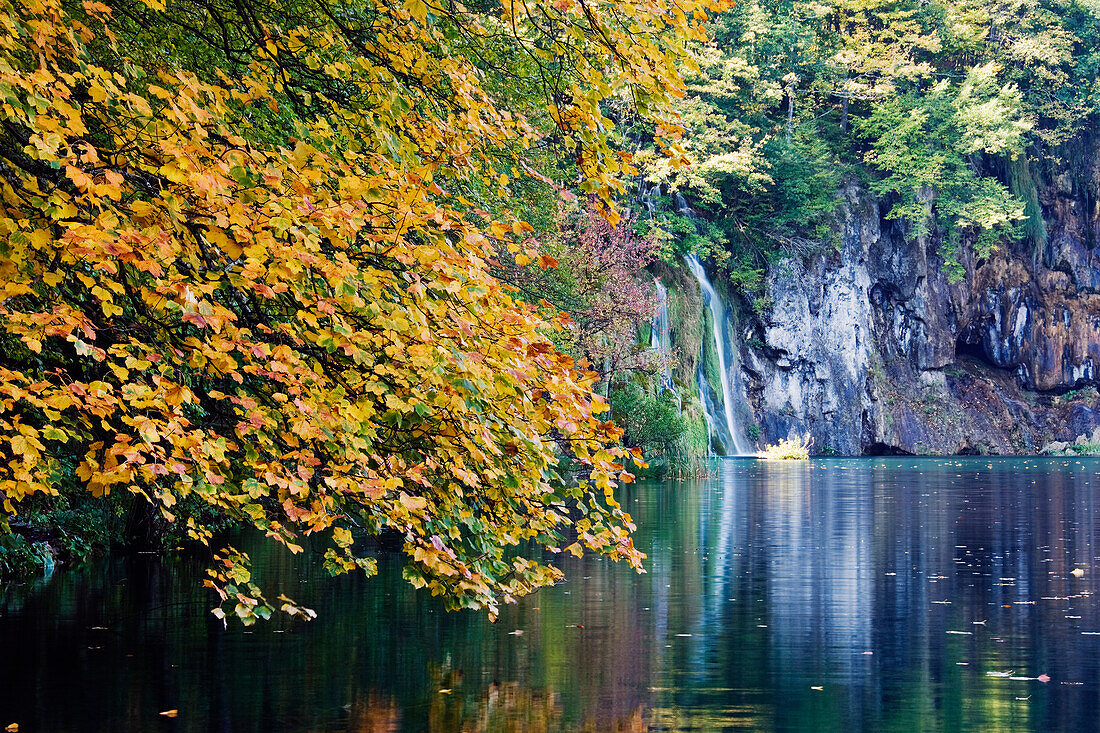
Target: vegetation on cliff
(950, 111)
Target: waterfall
(647, 197)
(712, 411)
(682, 206)
(660, 339)
(722, 348)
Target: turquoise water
(848, 595)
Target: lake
(826, 595)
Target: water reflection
(855, 595)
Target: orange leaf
(295, 512)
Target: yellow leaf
(417, 9)
(142, 209)
(19, 445)
(341, 536)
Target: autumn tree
(244, 263)
(594, 272)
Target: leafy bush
(667, 436)
(789, 449)
(21, 557)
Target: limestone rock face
(812, 374)
(870, 348)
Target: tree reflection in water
(844, 595)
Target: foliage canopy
(245, 258)
(948, 110)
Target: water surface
(846, 595)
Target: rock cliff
(870, 348)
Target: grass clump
(790, 449)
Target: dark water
(851, 595)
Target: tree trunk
(144, 526)
(790, 112)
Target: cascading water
(736, 444)
(660, 339)
(682, 206)
(717, 429)
(649, 197)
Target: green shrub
(669, 437)
(20, 557)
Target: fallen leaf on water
(12, 728)
(170, 713)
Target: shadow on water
(855, 595)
